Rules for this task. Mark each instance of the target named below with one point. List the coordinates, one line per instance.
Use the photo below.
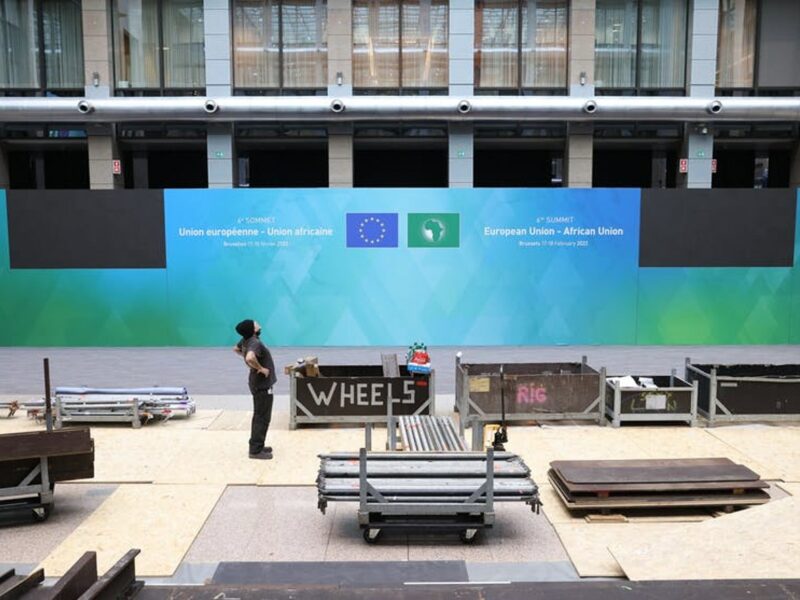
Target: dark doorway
(177, 169)
(282, 167)
(22, 170)
(735, 168)
(406, 167)
(65, 169)
(622, 168)
(504, 167)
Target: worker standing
(261, 379)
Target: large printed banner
(364, 266)
(394, 266)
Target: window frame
(42, 89)
(519, 89)
(280, 89)
(756, 89)
(637, 89)
(146, 91)
(400, 89)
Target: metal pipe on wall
(394, 108)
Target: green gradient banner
(387, 267)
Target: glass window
(615, 44)
(521, 43)
(305, 47)
(63, 43)
(640, 44)
(379, 58)
(136, 56)
(497, 43)
(662, 58)
(256, 43)
(19, 66)
(736, 43)
(280, 44)
(376, 43)
(58, 23)
(544, 43)
(425, 43)
(184, 40)
(142, 27)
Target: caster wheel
(40, 514)
(468, 536)
(371, 535)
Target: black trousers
(262, 415)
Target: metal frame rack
(444, 491)
(118, 405)
(673, 389)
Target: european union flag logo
(372, 230)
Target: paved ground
(217, 371)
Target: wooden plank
(118, 582)
(81, 576)
(760, 542)
(36, 444)
(389, 363)
(17, 589)
(655, 471)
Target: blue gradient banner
(529, 266)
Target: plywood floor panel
(776, 447)
(762, 542)
(161, 520)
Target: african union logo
(372, 230)
(433, 230)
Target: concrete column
(219, 142)
(103, 150)
(698, 147)
(580, 69)
(97, 60)
(97, 55)
(461, 45)
(579, 146)
(794, 172)
(460, 155)
(340, 156)
(5, 176)
(579, 154)
(219, 70)
(340, 48)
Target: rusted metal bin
(729, 393)
(358, 394)
(533, 392)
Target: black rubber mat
(343, 574)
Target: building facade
(398, 52)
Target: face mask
(257, 333)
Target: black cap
(246, 328)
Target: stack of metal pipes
(430, 434)
(155, 402)
(424, 477)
